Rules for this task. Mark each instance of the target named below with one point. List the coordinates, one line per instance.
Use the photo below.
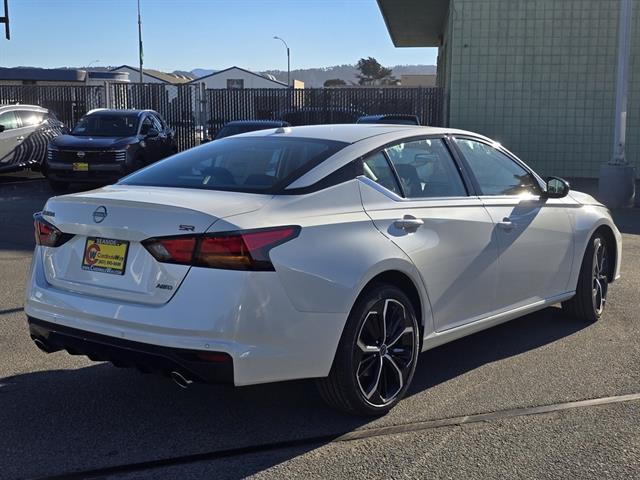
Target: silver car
(25, 131)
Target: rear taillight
(173, 250)
(46, 234)
(242, 250)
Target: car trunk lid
(105, 257)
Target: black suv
(106, 145)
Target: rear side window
(249, 164)
(426, 169)
(9, 120)
(30, 118)
(377, 168)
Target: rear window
(249, 164)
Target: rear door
(415, 194)
(534, 233)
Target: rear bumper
(126, 353)
(246, 315)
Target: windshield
(107, 126)
(249, 164)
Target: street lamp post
(288, 60)
(617, 177)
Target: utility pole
(622, 83)
(617, 177)
(5, 20)
(140, 53)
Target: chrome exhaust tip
(180, 380)
(42, 345)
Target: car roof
(20, 106)
(388, 115)
(118, 111)
(256, 122)
(352, 132)
(362, 139)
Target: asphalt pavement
(498, 404)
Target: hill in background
(315, 77)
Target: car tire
(593, 281)
(58, 187)
(376, 356)
(136, 164)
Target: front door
(414, 193)
(534, 233)
(153, 149)
(10, 137)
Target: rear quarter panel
(337, 253)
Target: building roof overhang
(415, 23)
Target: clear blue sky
(185, 34)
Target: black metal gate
(195, 113)
(310, 106)
(69, 103)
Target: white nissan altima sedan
(334, 252)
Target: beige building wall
(539, 76)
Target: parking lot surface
(62, 415)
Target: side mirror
(1, 128)
(152, 133)
(557, 188)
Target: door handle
(506, 224)
(20, 138)
(408, 223)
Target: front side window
(30, 118)
(157, 123)
(9, 120)
(250, 164)
(496, 173)
(426, 169)
(106, 125)
(147, 124)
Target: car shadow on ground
(509, 339)
(98, 416)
